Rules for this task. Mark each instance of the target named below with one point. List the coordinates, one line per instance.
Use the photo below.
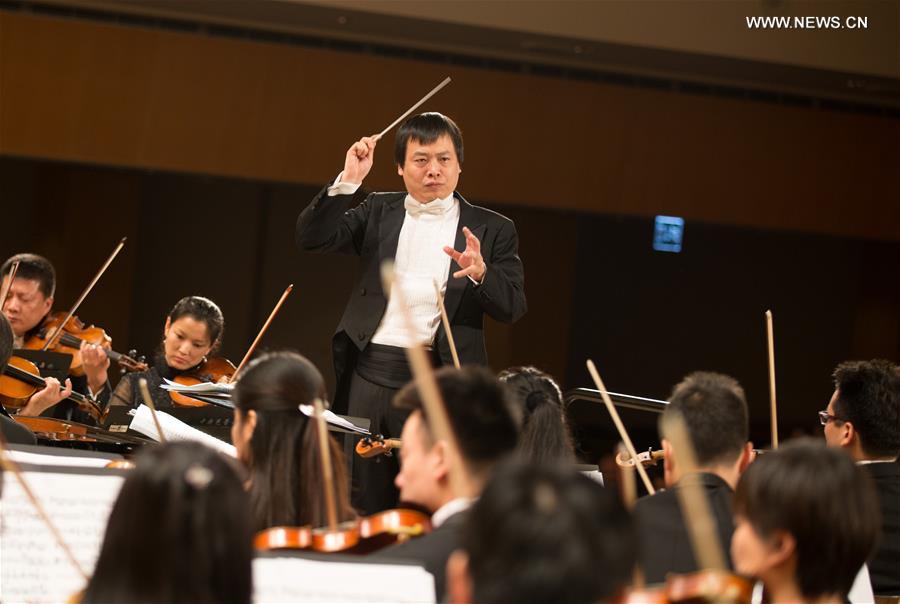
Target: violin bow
(695, 507)
(84, 294)
(629, 485)
(325, 454)
(265, 327)
(628, 491)
(423, 375)
(623, 433)
(773, 408)
(10, 466)
(446, 321)
(413, 108)
(148, 400)
(4, 292)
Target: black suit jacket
(663, 543)
(884, 566)
(371, 230)
(432, 550)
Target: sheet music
(26, 457)
(201, 388)
(334, 420)
(33, 567)
(279, 580)
(175, 430)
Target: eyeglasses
(825, 417)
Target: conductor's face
(430, 171)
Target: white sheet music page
(279, 580)
(175, 430)
(33, 567)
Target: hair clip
(545, 499)
(198, 476)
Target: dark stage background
(596, 289)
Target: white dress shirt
(419, 263)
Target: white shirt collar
(451, 508)
(438, 206)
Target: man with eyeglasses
(863, 418)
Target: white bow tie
(437, 207)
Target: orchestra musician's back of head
(179, 532)
(806, 520)
(543, 534)
(714, 409)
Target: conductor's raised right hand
(359, 160)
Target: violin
(372, 446)
(21, 379)
(645, 458)
(702, 586)
(214, 369)
(69, 338)
(651, 457)
(57, 431)
(360, 536)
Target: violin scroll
(646, 458)
(372, 446)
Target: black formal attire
(128, 392)
(664, 545)
(432, 550)
(14, 432)
(371, 230)
(884, 566)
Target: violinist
(545, 434)
(192, 331)
(13, 431)
(542, 534)
(179, 532)
(715, 411)
(863, 419)
(806, 519)
(278, 443)
(486, 424)
(27, 308)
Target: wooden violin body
(360, 536)
(21, 379)
(214, 369)
(69, 338)
(703, 586)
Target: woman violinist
(278, 443)
(193, 330)
(27, 308)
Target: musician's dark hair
(425, 129)
(33, 268)
(179, 532)
(543, 533)
(545, 434)
(869, 398)
(822, 498)
(715, 410)
(286, 479)
(484, 420)
(201, 309)
(6, 341)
